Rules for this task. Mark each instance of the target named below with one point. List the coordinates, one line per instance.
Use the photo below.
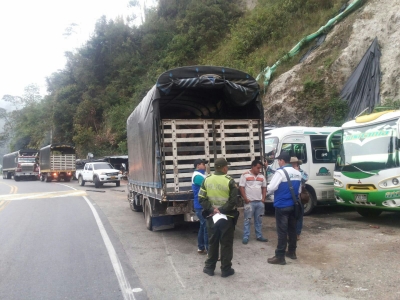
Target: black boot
(277, 260)
(227, 272)
(291, 254)
(208, 271)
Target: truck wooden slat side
(192, 112)
(57, 161)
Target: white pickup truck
(98, 173)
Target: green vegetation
(102, 82)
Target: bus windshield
(271, 143)
(369, 148)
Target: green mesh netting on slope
(268, 71)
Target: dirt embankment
(308, 93)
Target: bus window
(296, 149)
(319, 152)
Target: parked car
(98, 173)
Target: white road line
(123, 282)
(124, 285)
(171, 262)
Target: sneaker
(209, 272)
(227, 273)
(202, 252)
(245, 241)
(261, 239)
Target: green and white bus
(367, 169)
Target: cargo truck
(21, 164)
(57, 161)
(190, 113)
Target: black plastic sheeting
(319, 41)
(196, 92)
(362, 89)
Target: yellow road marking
(59, 194)
(14, 188)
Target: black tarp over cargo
(362, 90)
(196, 92)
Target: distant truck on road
(198, 112)
(21, 164)
(57, 161)
(98, 173)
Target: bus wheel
(368, 212)
(308, 207)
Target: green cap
(221, 162)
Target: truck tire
(118, 183)
(132, 204)
(42, 178)
(4, 175)
(147, 215)
(368, 212)
(16, 178)
(47, 178)
(81, 182)
(308, 208)
(97, 182)
(8, 175)
(67, 179)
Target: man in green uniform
(218, 194)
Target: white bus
(367, 170)
(309, 145)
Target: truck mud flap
(162, 222)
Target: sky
(32, 43)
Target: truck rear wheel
(368, 212)
(81, 182)
(47, 178)
(118, 183)
(8, 175)
(147, 215)
(42, 178)
(67, 179)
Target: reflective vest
(216, 189)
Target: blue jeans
(285, 227)
(202, 236)
(255, 210)
(299, 225)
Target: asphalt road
(54, 244)
(53, 248)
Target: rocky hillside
(308, 93)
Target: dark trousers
(285, 226)
(220, 233)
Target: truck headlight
(102, 173)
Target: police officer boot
(277, 260)
(227, 272)
(291, 254)
(208, 271)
